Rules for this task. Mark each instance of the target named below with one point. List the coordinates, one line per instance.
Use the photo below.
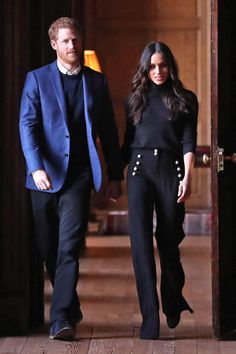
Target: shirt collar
(64, 70)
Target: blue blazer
(44, 133)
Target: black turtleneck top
(156, 130)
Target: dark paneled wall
(42, 14)
(14, 240)
(24, 45)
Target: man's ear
(53, 44)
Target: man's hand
(42, 180)
(114, 190)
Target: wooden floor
(111, 314)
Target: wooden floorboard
(109, 302)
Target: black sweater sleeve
(128, 138)
(189, 136)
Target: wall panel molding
(165, 23)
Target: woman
(159, 146)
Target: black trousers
(60, 225)
(153, 179)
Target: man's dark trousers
(60, 224)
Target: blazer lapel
(94, 159)
(87, 89)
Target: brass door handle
(220, 159)
(206, 159)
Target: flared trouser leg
(169, 234)
(141, 203)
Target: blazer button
(66, 155)
(67, 136)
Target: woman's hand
(114, 190)
(184, 191)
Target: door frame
(214, 176)
(223, 132)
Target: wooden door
(223, 102)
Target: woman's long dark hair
(176, 98)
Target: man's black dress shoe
(73, 321)
(173, 321)
(61, 330)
